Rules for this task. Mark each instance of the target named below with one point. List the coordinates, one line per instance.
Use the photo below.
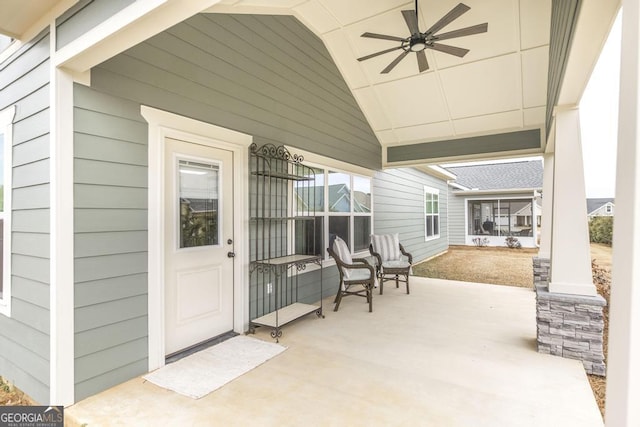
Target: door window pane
(198, 190)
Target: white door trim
(163, 124)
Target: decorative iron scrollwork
(277, 152)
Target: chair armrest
(407, 254)
(342, 265)
(376, 255)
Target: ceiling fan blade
(382, 36)
(411, 19)
(476, 29)
(395, 62)
(423, 65)
(451, 50)
(453, 14)
(373, 55)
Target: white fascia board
(502, 191)
(132, 25)
(458, 186)
(437, 172)
(6, 120)
(593, 25)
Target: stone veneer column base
(570, 326)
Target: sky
(599, 119)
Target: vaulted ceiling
(499, 86)
(496, 94)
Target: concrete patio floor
(449, 354)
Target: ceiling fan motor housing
(417, 43)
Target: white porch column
(61, 305)
(547, 207)
(570, 252)
(623, 379)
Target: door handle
(231, 254)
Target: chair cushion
(387, 245)
(361, 274)
(396, 264)
(342, 251)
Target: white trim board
(6, 126)
(164, 125)
(61, 305)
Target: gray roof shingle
(499, 176)
(596, 203)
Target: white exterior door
(198, 271)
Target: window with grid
(431, 213)
(342, 207)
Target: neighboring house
(493, 201)
(600, 207)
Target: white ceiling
(499, 86)
(13, 19)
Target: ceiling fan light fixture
(418, 46)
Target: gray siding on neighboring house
(267, 76)
(110, 228)
(398, 207)
(24, 338)
(85, 15)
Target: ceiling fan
(419, 41)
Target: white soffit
(535, 23)
(17, 16)
(484, 124)
(535, 63)
(483, 87)
(368, 100)
(534, 116)
(501, 38)
(414, 100)
(424, 133)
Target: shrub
(601, 230)
(480, 242)
(512, 242)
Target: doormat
(201, 373)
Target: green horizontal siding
(24, 337)
(398, 203)
(110, 240)
(243, 72)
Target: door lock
(231, 254)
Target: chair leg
(407, 283)
(381, 283)
(370, 297)
(397, 280)
(338, 299)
